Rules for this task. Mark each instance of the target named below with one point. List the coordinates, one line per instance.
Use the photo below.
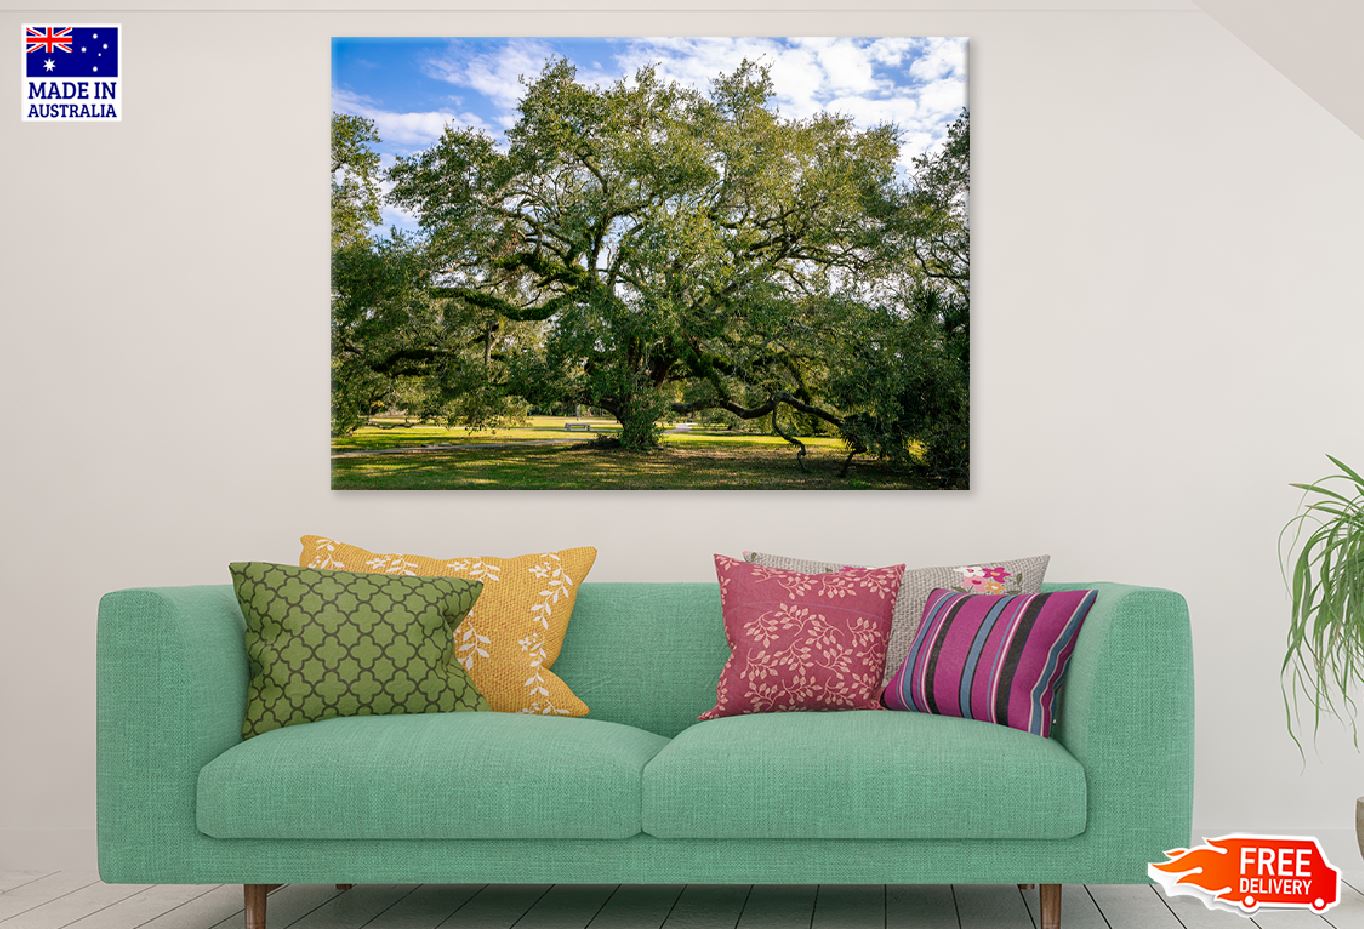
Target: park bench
(577, 427)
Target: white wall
(1167, 320)
(1315, 43)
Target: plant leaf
(1323, 566)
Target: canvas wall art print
(616, 263)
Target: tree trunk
(639, 428)
(639, 411)
(777, 429)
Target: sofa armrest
(171, 686)
(1127, 714)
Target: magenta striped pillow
(997, 658)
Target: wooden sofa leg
(253, 902)
(1051, 906)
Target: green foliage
(908, 380)
(1324, 565)
(656, 252)
(355, 178)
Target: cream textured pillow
(1019, 575)
(512, 636)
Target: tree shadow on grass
(590, 468)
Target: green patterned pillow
(333, 643)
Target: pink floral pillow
(803, 641)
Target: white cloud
(943, 98)
(939, 58)
(416, 129)
(847, 67)
(497, 75)
(870, 111)
(891, 50)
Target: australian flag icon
(71, 51)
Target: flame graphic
(1212, 868)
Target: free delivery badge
(1242, 873)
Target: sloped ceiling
(1316, 44)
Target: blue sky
(413, 87)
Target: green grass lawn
(583, 467)
(549, 456)
(541, 428)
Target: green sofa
(639, 791)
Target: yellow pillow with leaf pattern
(512, 636)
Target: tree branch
(506, 308)
(404, 361)
(776, 427)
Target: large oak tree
(656, 251)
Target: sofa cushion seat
(863, 774)
(430, 776)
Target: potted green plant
(1322, 548)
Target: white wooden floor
(61, 899)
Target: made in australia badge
(72, 73)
